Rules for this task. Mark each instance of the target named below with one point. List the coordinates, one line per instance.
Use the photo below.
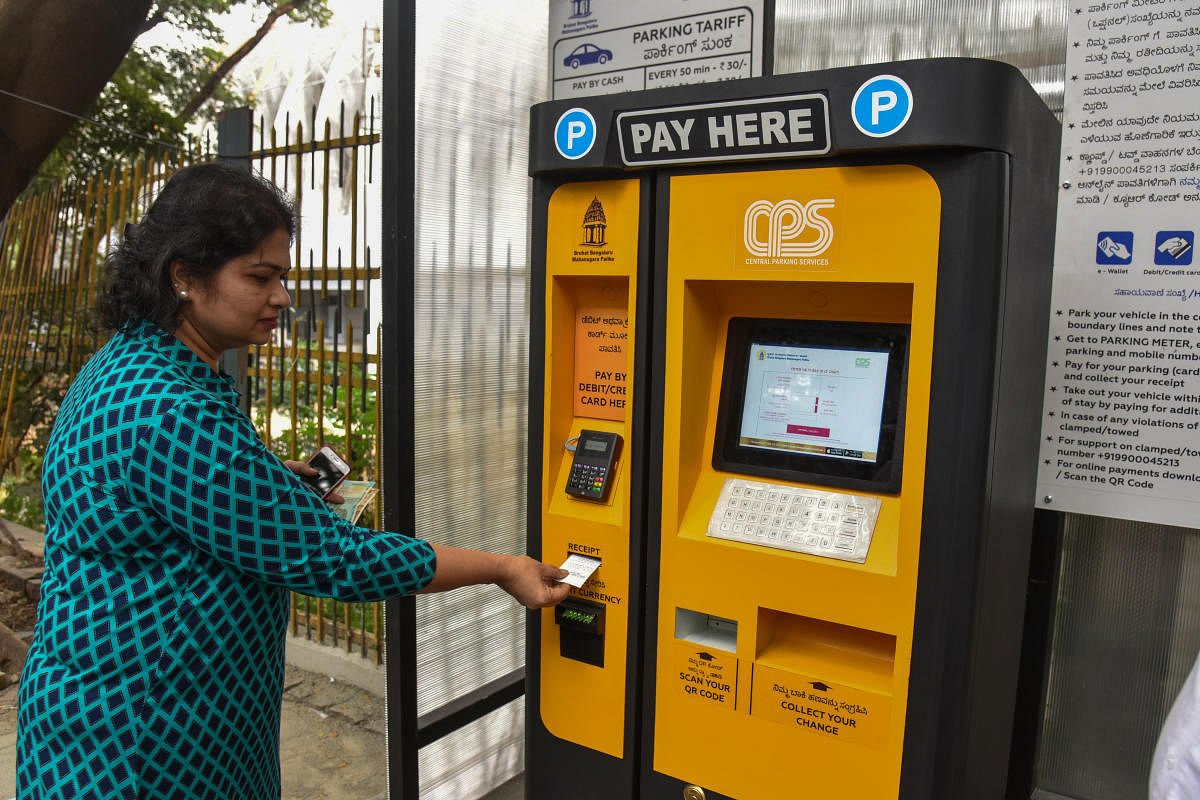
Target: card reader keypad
(831, 524)
(587, 479)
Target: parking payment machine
(831, 291)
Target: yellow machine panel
(591, 284)
(794, 666)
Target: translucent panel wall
(1126, 632)
(480, 66)
(1029, 34)
(1128, 617)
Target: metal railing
(315, 384)
(318, 382)
(51, 251)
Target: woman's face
(240, 305)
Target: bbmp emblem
(778, 230)
(595, 223)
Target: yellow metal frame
(801, 619)
(580, 702)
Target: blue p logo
(882, 106)
(575, 133)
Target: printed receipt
(580, 567)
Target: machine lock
(580, 630)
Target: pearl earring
(183, 294)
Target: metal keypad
(831, 524)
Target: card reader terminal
(592, 469)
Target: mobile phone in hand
(331, 470)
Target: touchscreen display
(820, 401)
(814, 401)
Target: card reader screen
(596, 445)
(820, 401)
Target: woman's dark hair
(204, 216)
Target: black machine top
(937, 103)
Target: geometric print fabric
(173, 536)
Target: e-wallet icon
(1114, 247)
(1173, 248)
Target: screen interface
(816, 401)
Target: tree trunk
(234, 58)
(61, 53)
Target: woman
(174, 535)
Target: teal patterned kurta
(173, 537)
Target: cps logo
(785, 222)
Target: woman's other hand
(534, 584)
(305, 471)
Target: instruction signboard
(1121, 416)
(707, 675)
(601, 336)
(608, 46)
(816, 706)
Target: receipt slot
(831, 460)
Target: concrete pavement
(331, 732)
(331, 741)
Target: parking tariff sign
(608, 46)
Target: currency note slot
(581, 630)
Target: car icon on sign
(587, 54)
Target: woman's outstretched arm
(532, 583)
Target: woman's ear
(178, 276)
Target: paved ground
(331, 742)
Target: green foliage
(152, 86)
(310, 432)
(130, 102)
(39, 391)
(310, 429)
